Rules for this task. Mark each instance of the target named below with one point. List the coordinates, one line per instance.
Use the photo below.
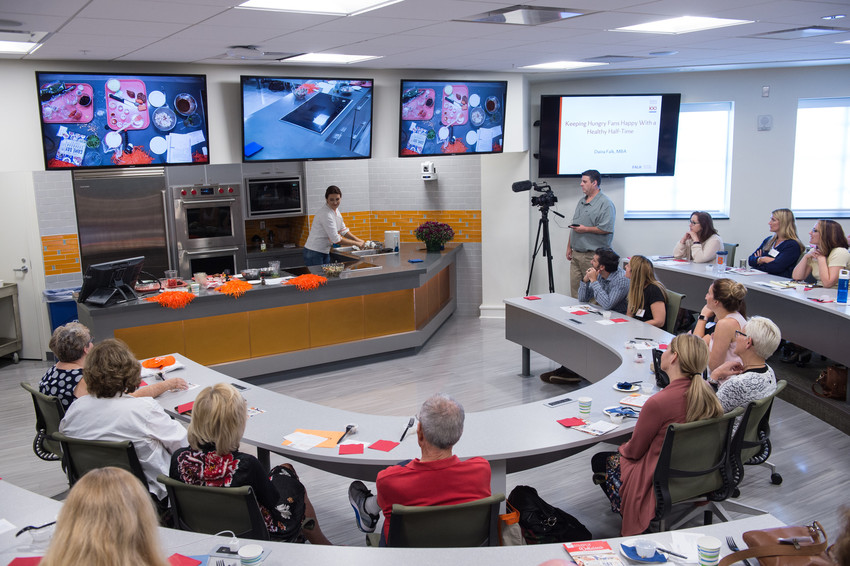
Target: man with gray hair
(436, 478)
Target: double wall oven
(209, 232)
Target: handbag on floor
(832, 382)
(510, 533)
(805, 546)
(543, 523)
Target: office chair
(673, 304)
(48, 412)
(694, 469)
(751, 442)
(81, 456)
(444, 526)
(730, 250)
(210, 510)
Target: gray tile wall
(54, 201)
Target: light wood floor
(470, 359)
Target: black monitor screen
(292, 118)
(95, 120)
(110, 282)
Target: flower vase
(433, 246)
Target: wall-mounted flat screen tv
(100, 120)
(451, 117)
(618, 135)
(291, 118)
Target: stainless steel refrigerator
(123, 214)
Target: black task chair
(694, 470)
(474, 523)
(211, 510)
(48, 412)
(751, 443)
(81, 456)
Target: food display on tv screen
(94, 120)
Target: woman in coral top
(626, 475)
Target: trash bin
(61, 306)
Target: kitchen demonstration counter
(395, 305)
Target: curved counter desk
(394, 305)
(22, 507)
(511, 438)
(821, 327)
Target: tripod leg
(547, 248)
(534, 256)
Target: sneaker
(560, 376)
(357, 495)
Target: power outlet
(262, 224)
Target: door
(21, 250)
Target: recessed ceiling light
(326, 7)
(524, 16)
(834, 17)
(844, 42)
(663, 53)
(684, 24)
(561, 65)
(800, 33)
(20, 47)
(329, 58)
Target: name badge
(773, 252)
(640, 313)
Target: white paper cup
(616, 418)
(250, 554)
(584, 405)
(708, 550)
(607, 314)
(645, 548)
(647, 387)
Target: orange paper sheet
(331, 435)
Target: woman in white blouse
(700, 243)
(328, 229)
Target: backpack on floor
(542, 523)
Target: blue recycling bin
(61, 306)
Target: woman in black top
(647, 296)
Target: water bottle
(843, 280)
(720, 266)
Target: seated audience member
(839, 551)
(436, 478)
(751, 379)
(700, 243)
(70, 343)
(647, 296)
(213, 459)
(828, 256)
(107, 519)
(778, 254)
(607, 284)
(110, 412)
(725, 303)
(626, 475)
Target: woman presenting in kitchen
(328, 228)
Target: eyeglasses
(738, 332)
(692, 222)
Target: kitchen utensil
(349, 429)
(733, 546)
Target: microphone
(521, 186)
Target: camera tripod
(546, 244)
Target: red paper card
(180, 560)
(531, 298)
(662, 346)
(143, 383)
(572, 421)
(384, 445)
(25, 561)
(185, 407)
(579, 312)
(351, 448)
(619, 320)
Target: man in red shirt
(436, 478)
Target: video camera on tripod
(547, 199)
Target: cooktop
(317, 113)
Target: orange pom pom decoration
(307, 282)
(235, 288)
(172, 299)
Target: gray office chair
(694, 470)
(444, 526)
(48, 412)
(751, 443)
(80, 456)
(730, 250)
(673, 304)
(210, 510)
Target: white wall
(762, 162)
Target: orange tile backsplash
(370, 225)
(61, 254)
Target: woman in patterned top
(70, 344)
(751, 379)
(219, 417)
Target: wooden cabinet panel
(278, 330)
(336, 321)
(154, 339)
(217, 339)
(388, 313)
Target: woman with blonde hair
(828, 256)
(108, 518)
(647, 296)
(724, 302)
(778, 254)
(626, 475)
(219, 417)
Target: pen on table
(348, 428)
(574, 320)
(670, 552)
(641, 338)
(409, 425)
